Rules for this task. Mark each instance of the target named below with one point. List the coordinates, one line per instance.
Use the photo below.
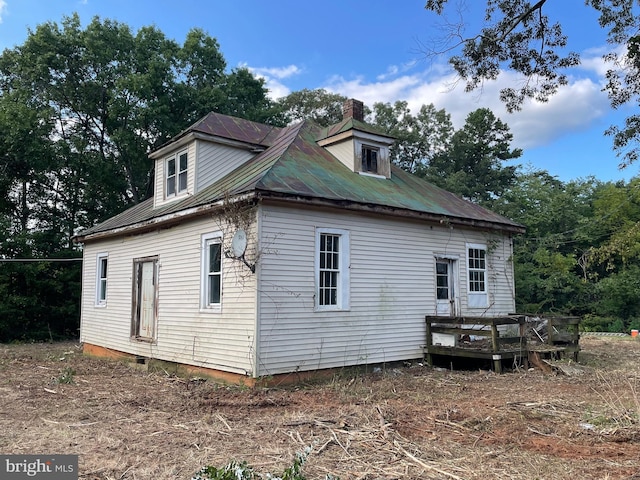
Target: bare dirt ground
(410, 422)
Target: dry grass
(412, 422)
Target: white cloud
(277, 72)
(273, 76)
(3, 9)
(370, 93)
(575, 107)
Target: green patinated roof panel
(294, 165)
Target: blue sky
(372, 50)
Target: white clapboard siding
(215, 161)
(185, 333)
(392, 288)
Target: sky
(374, 51)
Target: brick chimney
(353, 108)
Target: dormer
(360, 147)
(204, 153)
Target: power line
(28, 260)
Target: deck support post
(495, 346)
(429, 339)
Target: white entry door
(446, 287)
(144, 298)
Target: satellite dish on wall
(239, 243)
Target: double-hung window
(211, 271)
(176, 174)
(477, 275)
(332, 269)
(102, 260)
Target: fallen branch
(221, 418)
(425, 465)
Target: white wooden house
(267, 251)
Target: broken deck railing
(509, 337)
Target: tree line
(81, 108)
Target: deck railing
(500, 338)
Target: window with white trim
(332, 269)
(211, 291)
(477, 275)
(102, 260)
(176, 169)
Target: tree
(472, 165)
(320, 106)
(418, 138)
(547, 258)
(519, 36)
(111, 96)
(80, 110)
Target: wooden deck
(496, 339)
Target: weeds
(242, 471)
(66, 376)
(620, 411)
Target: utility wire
(28, 260)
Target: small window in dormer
(369, 159)
(176, 174)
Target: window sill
(330, 309)
(374, 175)
(177, 196)
(216, 309)
(143, 339)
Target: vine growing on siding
(234, 216)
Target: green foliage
(418, 137)
(319, 106)
(66, 376)
(617, 294)
(472, 164)
(80, 110)
(520, 37)
(242, 471)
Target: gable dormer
(204, 153)
(360, 147)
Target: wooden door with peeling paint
(145, 298)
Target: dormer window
(176, 174)
(369, 159)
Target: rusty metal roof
(232, 128)
(295, 167)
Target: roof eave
(394, 211)
(189, 137)
(164, 221)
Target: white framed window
(176, 170)
(102, 262)
(477, 275)
(211, 282)
(332, 269)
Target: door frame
(136, 294)
(454, 284)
